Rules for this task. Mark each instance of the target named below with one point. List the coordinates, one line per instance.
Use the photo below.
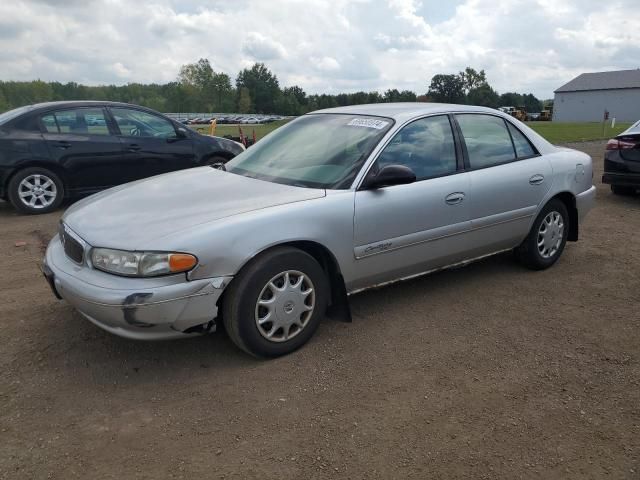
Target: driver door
(403, 230)
(151, 144)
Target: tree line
(199, 88)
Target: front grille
(72, 247)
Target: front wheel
(547, 238)
(36, 190)
(276, 303)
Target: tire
(215, 159)
(241, 313)
(622, 190)
(539, 257)
(45, 200)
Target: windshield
(317, 151)
(11, 114)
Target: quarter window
(523, 146)
(135, 123)
(426, 146)
(81, 121)
(487, 139)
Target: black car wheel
(36, 190)
(276, 303)
(622, 190)
(216, 159)
(547, 238)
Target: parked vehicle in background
(546, 115)
(622, 161)
(333, 202)
(533, 116)
(50, 151)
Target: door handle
(62, 144)
(454, 198)
(536, 179)
(134, 147)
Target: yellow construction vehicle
(546, 115)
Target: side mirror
(390, 175)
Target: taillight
(614, 144)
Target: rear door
(402, 230)
(82, 141)
(151, 143)
(508, 180)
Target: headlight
(141, 264)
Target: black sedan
(50, 151)
(622, 161)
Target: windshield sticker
(368, 123)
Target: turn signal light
(181, 262)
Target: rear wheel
(622, 190)
(276, 303)
(547, 238)
(36, 190)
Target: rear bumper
(140, 309)
(585, 202)
(622, 179)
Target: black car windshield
(316, 151)
(11, 114)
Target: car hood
(129, 216)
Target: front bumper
(622, 179)
(137, 308)
(585, 202)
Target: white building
(586, 97)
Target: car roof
(80, 103)
(406, 111)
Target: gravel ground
(489, 371)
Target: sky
(324, 46)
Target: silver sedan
(334, 202)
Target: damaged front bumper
(138, 308)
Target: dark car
(50, 151)
(622, 161)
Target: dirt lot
(490, 371)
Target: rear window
(522, 144)
(487, 139)
(82, 121)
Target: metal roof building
(586, 97)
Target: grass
(260, 129)
(560, 132)
(555, 132)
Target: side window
(487, 139)
(135, 123)
(82, 121)
(426, 146)
(523, 146)
(49, 123)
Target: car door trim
(411, 239)
(439, 233)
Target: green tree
(472, 79)
(446, 89)
(407, 96)
(531, 103)
(510, 99)
(484, 96)
(262, 85)
(244, 100)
